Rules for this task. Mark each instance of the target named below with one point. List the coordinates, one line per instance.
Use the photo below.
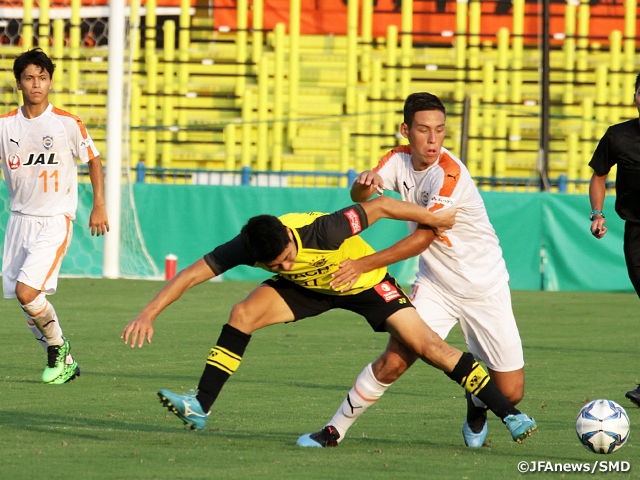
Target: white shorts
(33, 251)
(488, 324)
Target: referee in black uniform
(620, 146)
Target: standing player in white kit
(39, 145)
(461, 278)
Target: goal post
(113, 183)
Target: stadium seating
(323, 130)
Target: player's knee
(36, 306)
(244, 318)
(26, 294)
(511, 387)
(514, 394)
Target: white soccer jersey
(39, 161)
(468, 262)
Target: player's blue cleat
(473, 439)
(327, 437)
(520, 426)
(186, 407)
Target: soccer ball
(602, 426)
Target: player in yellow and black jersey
(322, 242)
(304, 250)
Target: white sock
(42, 314)
(365, 392)
(36, 332)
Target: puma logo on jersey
(455, 177)
(15, 141)
(407, 186)
(42, 158)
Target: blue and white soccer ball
(602, 426)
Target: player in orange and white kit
(39, 145)
(461, 278)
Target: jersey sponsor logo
(85, 143)
(47, 142)
(14, 161)
(442, 200)
(354, 221)
(300, 276)
(320, 262)
(387, 291)
(41, 158)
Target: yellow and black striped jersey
(323, 241)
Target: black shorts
(375, 304)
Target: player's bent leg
(466, 371)
(365, 392)
(474, 429)
(263, 307)
(61, 367)
(408, 328)
(370, 385)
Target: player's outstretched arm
(387, 207)
(141, 327)
(98, 222)
(366, 185)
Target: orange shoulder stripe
(12, 113)
(62, 113)
(451, 174)
(385, 159)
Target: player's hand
(347, 275)
(369, 178)
(597, 227)
(98, 222)
(445, 219)
(139, 328)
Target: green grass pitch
(109, 424)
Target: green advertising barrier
(575, 260)
(535, 229)
(545, 237)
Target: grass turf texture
(109, 423)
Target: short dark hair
(417, 102)
(265, 237)
(35, 56)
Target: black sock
(476, 416)
(476, 381)
(223, 360)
